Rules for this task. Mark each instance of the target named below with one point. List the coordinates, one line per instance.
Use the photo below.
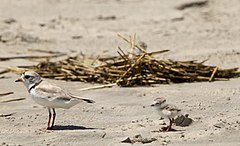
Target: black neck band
(29, 90)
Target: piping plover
(166, 111)
(49, 95)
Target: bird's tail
(84, 99)
(88, 100)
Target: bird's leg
(165, 129)
(49, 118)
(170, 125)
(54, 115)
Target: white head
(29, 79)
(159, 102)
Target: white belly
(54, 102)
(167, 114)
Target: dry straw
(129, 69)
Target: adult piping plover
(166, 111)
(49, 95)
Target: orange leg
(49, 118)
(54, 116)
(168, 128)
(170, 125)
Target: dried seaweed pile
(129, 69)
(139, 70)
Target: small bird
(49, 95)
(166, 111)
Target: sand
(195, 33)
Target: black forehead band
(24, 74)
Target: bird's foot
(49, 128)
(163, 129)
(166, 129)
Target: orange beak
(19, 80)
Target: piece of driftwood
(194, 4)
(7, 115)
(129, 69)
(6, 93)
(30, 57)
(11, 100)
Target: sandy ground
(211, 32)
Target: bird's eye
(27, 76)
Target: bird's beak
(19, 80)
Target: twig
(213, 73)
(192, 4)
(4, 71)
(129, 69)
(46, 51)
(132, 45)
(157, 52)
(30, 57)
(7, 93)
(141, 49)
(98, 87)
(11, 100)
(124, 56)
(4, 77)
(16, 70)
(7, 115)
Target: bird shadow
(163, 129)
(72, 127)
(170, 130)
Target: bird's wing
(172, 108)
(51, 91)
(54, 91)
